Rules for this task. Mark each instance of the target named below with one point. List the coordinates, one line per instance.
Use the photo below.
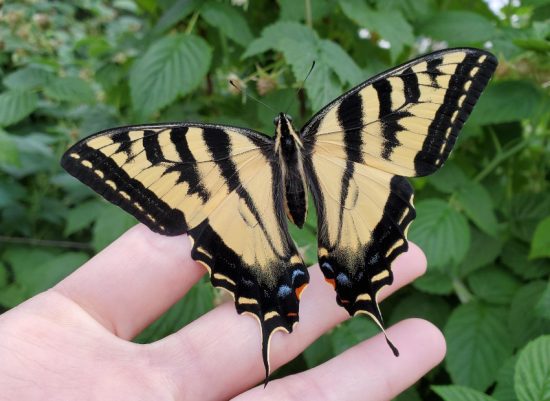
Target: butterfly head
(286, 137)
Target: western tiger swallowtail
(232, 189)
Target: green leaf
(9, 152)
(273, 35)
(483, 251)
(525, 213)
(389, 24)
(478, 343)
(177, 11)
(27, 78)
(194, 304)
(82, 216)
(478, 206)
(441, 232)
(411, 394)
(506, 101)
(321, 86)
(460, 393)
(458, 27)
(332, 54)
(352, 332)
(229, 21)
(15, 105)
(319, 351)
(542, 308)
(532, 379)
(173, 66)
(523, 321)
(429, 307)
(494, 285)
(110, 224)
(504, 390)
(36, 270)
(514, 255)
(540, 246)
(434, 282)
(449, 179)
(70, 89)
(293, 10)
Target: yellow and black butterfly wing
(218, 184)
(403, 122)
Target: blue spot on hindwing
(284, 291)
(342, 279)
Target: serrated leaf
(506, 101)
(36, 270)
(449, 179)
(109, 225)
(483, 251)
(177, 11)
(524, 323)
(532, 378)
(229, 21)
(81, 216)
(428, 307)
(27, 78)
(441, 232)
(514, 255)
(478, 206)
(15, 105)
(293, 10)
(435, 282)
(540, 245)
(9, 152)
(389, 24)
(332, 54)
(460, 393)
(70, 89)
(494, 285)
(526, 211)
(478, 343)
(321, 85)
(273, 35)
(504, 390)
(458, 27)
(542, 308)
(173, 66)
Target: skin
(72, 341)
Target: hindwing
(221, 186)
(403, 122)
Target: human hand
(72, 342)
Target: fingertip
(425, 335)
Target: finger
(368, 368)
(225, 347)
(134, 280)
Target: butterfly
(232, 189)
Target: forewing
(404, 121)
(220, 185)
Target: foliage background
(69, 69)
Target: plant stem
(499, 159)
(44, 242)
(461, 291)
(192, 23)
(309, 19)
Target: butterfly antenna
(301, 88)
(245, 92)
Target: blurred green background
(69, 69)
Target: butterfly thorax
(288, 147)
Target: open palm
(72, 342)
